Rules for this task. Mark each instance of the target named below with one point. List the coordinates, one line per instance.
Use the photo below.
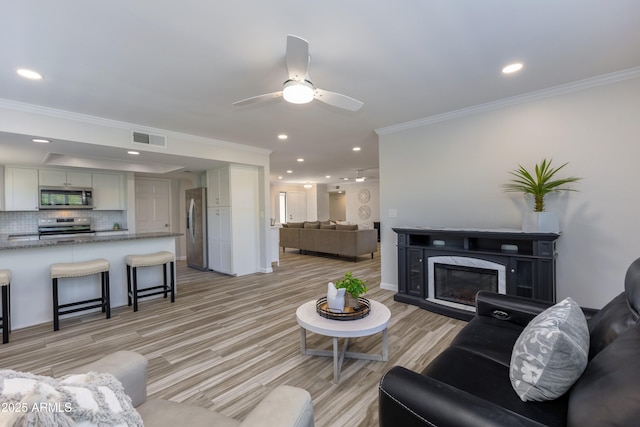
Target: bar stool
(80, 269)
(149, 260)
(5, 320)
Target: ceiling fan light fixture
(297, 92)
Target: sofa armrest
(129, 367)
(284, 406)
(510, 308)
(409, 399)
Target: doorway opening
(337, 206)
(292, 206)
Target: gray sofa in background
(324, 237)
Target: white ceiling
(180, 65)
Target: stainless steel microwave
(66, 198)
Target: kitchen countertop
(25, 244)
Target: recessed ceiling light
(512, 68)
(279, 177)
(345, 179)
(282, 136)
(135, 153)
(360, 179)
(301, 159)
(289, 171)
(328, 176)
(29, 74)
(357, 148)
(41, 140)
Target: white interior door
(153, 205)
(296, 206)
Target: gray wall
(452, 171)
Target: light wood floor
(227, 341)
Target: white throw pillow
(551, 353)
(85, 400)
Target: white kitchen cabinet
(220, 248)
(108, 191)
(218, 187)
(20, 189)
(233, 231)
(64, 178)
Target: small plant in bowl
(354, 288)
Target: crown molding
(591, 82)
(115, 124)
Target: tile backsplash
(26, 222)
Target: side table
(376, 321)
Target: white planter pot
(545, 222)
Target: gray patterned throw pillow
(551, 353)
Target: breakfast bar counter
(30, 262)
(6, 243)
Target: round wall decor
(364, 195)
(364, 212)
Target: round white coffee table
(376, 321)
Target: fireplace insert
(459, 284)
(455, 280)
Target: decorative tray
(349, 313)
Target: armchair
(284, 406)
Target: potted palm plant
(353, 286)
(538, 184)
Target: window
(283, 207)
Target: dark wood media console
(529, 261)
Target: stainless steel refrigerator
(197, 228)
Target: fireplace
(524, 261)
(453, 281)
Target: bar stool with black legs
(80, 269)
(5, 320)
(149, 260)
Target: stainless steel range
(60, 228)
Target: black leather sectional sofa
(468, 384)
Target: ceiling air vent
(149, 139)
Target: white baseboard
(389, 287)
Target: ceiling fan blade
(338, 100)
(297, 57)
(259, 98)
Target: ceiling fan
(360, 177)
(298, 88)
